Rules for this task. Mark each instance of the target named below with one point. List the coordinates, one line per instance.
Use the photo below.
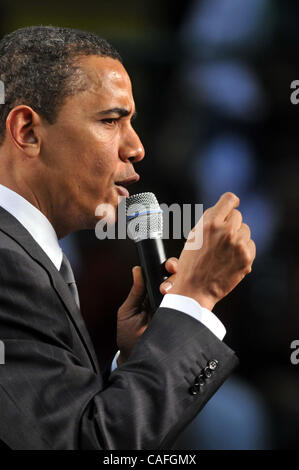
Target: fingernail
(167, 286)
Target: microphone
(145, 226)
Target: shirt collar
(34, 221)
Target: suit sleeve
(51, 399)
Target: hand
(135, 313)
(208, 274)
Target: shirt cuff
(194, 309)
(114, 362)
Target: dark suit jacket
(52, 393)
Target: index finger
(171, 265)
(224, 206)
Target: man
(68, 145)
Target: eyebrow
(120, 111)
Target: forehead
(108, 83)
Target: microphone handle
(152, 259)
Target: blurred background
(211, 81)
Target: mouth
(122, 185)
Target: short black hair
(38, 67)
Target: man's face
(92, 145)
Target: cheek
(94, 154)
(104, 144)
(106, 160)
(104, 168)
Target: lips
(122, 191)
(122, 184)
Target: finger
(167, 285)
(234, 219)
(244, 233)
(138, 291)
(252, 249)
(138, 288)
(147, 310)
(224, 206)
(171, 265)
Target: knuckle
(212, 225)
(238, 213)
(207, 214)
(207, 211)
(229, 235)
(245, 257)
(230, 197)
(247, 270)
(172, 261)
(239, 247)
(246, 228)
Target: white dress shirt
(44, 234)
(34, 221)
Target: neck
(34, 185)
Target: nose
(131, 147)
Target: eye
(110, 120)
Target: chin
(106, 211)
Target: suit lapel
(15, 230)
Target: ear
(23, 125)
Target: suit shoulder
(8, 244)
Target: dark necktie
(68, 275)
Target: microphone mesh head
(144, 217)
